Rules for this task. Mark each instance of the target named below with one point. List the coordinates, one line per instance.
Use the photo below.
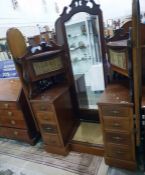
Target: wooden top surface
(10, 89)
(120, 43)
(42, 54)
(51, 94)
(115, 94)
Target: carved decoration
(77, 6)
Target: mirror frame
(75, 7)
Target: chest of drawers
(54, 114)
(116, 115)
(16, 121)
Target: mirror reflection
(83, 37)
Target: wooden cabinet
(116, 115)
(54, 114)
(16, 121)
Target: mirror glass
(83, 38)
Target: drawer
(117, 123)
(48, 128)
(52, 139)
(9, 105)
(16, 134)
(118, 111)
(11, 114)
(46, 117)
(41, 106)
(123, 153)
(14, 123)
(118, 138)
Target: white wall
(32, 12)
(28, 14)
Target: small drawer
(16, 134)
(9, 105)
(123, 153)
(117, 123)
(48, 128)
(46, 117)
(11, 114)
(42, 106)
(118, 138)
(14, 123)
(117, 111)
(51, 139)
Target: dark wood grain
(16, 121)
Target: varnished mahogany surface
(54, 113)
(116, 116)
(43, 54)
(16, 121)
(10, 89)
(115, 94)
(51, 94)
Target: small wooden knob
(6, 106)
(13, 122)
(15, 133)
(10, 113)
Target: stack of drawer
(13, 109)
(53, 111)
(118, 132)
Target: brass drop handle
(119, 152)
(117, 138)
(116, 112)
(6, 106)
(13, 122)
(116, 125)
(10, 113)
(15, 133)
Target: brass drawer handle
(15, 133)
(117, 138)
(13, 122)
(10, 114)
(6, 106)
(116, 112)
(116, 125)
(119, 152)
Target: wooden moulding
(87, 148)
(129, 165)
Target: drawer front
(16, 134)
(46, 117)
(9, 105)
(11, 114)
(48, 128)
(117, 123)
(123, 153)
(118, 138)
(52, 139)
(14, 123)
(117, 111)
(42, 106)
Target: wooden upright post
(136, 65)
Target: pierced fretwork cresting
(80, 6)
